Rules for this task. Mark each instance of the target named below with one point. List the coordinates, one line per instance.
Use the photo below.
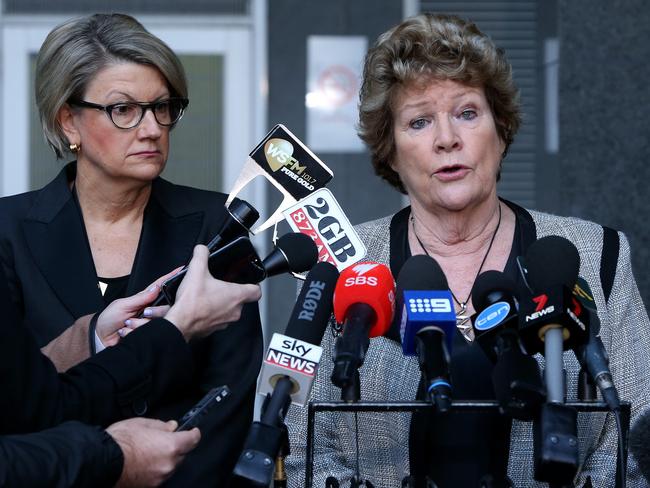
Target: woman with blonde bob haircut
(64, 68)
(109, 93)
(438, 110)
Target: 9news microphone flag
(428, 324)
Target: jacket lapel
(57, 241)
(169, 232)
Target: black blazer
(98, 391)
(71, 454)
(45, 254)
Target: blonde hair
(75, 51)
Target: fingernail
(121, 332)
(128, 323)
(147, 312)
(152, 288)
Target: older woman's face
(139, 153)
(447, 147)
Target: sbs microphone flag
(364, 302)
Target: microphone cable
(621, 459)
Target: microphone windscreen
(551, 261)
(240, 217)
(300, 250)
(421, 272)
(294, 252)
(639, 447)
(490, 282)
(244, 213)
(371, 284)
(313, 307)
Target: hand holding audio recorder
(198, 412)
(236, 262)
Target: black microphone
(241, 217)
(516, 376)
(238, 262)
(639, 445)
(295, 354)
(592, 356)
(294, 252)
(551, 319)
(288, 372)
(427, 325)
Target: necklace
(462, 317)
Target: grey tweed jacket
(388, 375)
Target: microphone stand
(280, 474)
(351, 392)
(412, 482)
(586, 387)
(555, 428)
(516, 379)
(555, 445)
(416, 406)
(267, 438)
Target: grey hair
(75, 51)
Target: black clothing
(104, 388)
(100, 390)
(72, 454)
(115, 288)
(52, 279)
(458, 449)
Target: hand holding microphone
(240, 217)
(238, 262)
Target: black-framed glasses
(127, 115)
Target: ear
(67, 121)
(392, 164)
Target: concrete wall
(604, 158)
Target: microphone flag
(289, 165)
(320, 217)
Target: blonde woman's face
(139, 153)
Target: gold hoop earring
(74, 148)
